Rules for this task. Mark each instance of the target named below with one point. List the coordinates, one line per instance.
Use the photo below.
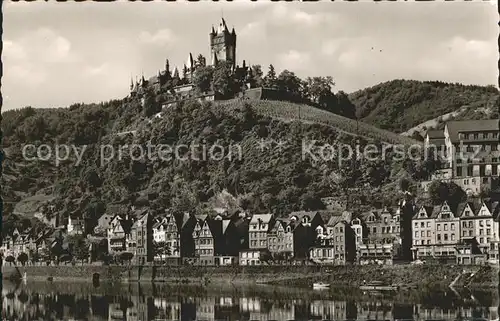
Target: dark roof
(455, 127)
(215, 227)
(435, 134)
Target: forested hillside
(399, 105)
(275, 179)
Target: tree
(34, 256)
(343, 106)
(416, 135)
(161, 249)
(149, 105)
(45, 255)
(444, 191)
(126, 256)
(319, 89)
(22, 258)
(200, 61)
(256, 76)
(265, 256)
(310, 202)
(203, 78)
(270, 79)
(287, 81)
(80, 249)
(222, 80)
(10, 259)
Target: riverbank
(406, 276)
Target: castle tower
(167, 67)
(223, 44)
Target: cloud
(13, 51)
(330, 47)
(96, 70)
(254, 28)
(160, 37)
(294, 60)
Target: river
(134, 302)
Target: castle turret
(175, 73)
(223, 44)
(190, 62)
(167, 67)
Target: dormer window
(446, 208)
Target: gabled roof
(215, 227)
(262, 218)
(301, 214)
(334, 220)
(438, 209)
(455, 127)
(428, 210)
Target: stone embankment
(406, 276)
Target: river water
(134, 302)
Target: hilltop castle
(176, 84)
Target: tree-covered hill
(399, 105)
(272, 178)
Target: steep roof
(215, 227)
(334, 220)
(264, 218)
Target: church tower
(223, 44)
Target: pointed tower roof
(222, 26)
(213, 30)
(175, 72)
(167, 66)
(233, 32)
(190, 61)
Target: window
(428, 233)
(452, 226)
(476, 136)
(495, 135)
(428, 224)
(446, 227)
(494, 147)
(422, 224)
(453, 237)
(439, 227)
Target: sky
(56, 54)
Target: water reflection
(55, 301)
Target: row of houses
(323, 237)
(466, 233)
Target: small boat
(321, 286)
(378, 286)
